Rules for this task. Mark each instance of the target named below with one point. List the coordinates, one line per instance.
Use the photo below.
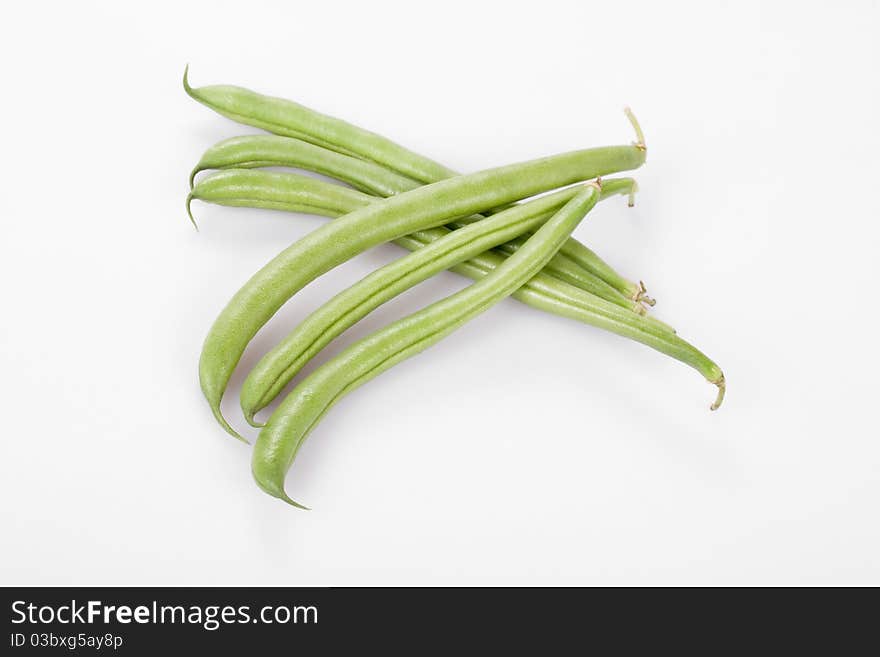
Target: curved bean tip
(188, 89)
(189, 200)
(192, 176)
(722, 387)
(223, 423)
(273, 484)
(249, 418)
(285, 497)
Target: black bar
(413, 620)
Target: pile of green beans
(507, 228)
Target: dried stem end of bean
(722, 387)
(642, 296)
(640, 144)
(631, 201)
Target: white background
(524, 449)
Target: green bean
(251, 151)
(276, 369)
(300, 411)
(334, 243)
(293, 192)
(276, 191)
(286, 118)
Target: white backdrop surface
(524, 449)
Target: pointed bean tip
(188, 89)
(285, 497)
(218, 415)
(270, 477)
(189, 200)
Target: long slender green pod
(276, 369)
(300, 411)
(252, 151)
(286, 118)
(338, 241)
(276, 191)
